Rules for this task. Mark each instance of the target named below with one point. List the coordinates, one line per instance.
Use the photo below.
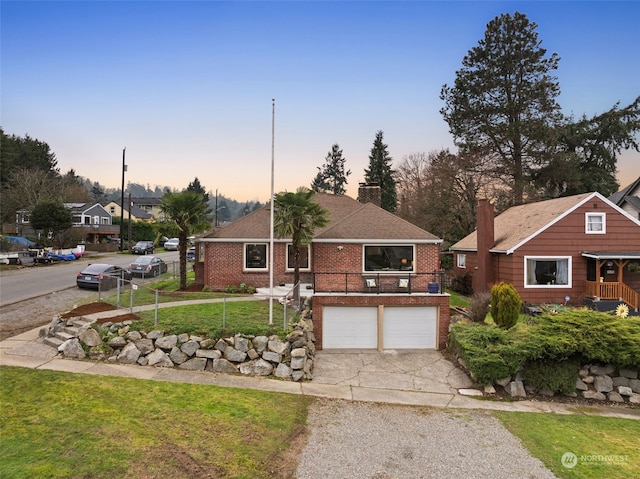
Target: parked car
(162, 241)
(191, 254)
(101, 276)
(143, 247)
(172, 245)
(147, 266)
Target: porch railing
(379, 282)
(612, 291)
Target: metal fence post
(131, 298)
(118, 292)
(155, 318)
(284, 308)
(224, 313)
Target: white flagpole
(273, 117)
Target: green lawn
(62, 425)
(604, 447)
(214, 320)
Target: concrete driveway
(405, 370)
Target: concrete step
(81, 321)
(53, 342)
(72, 330)
(63, 336)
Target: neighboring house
(375, 277)
(94, 219)
(137, 213)
(150, 206)
(628, 199)
(574, 249)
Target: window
(548, 272)
(304, 257)
(462, 260)
(388, 258)
(255, 256)
(104, 220)
(112, 210)
(595, 223)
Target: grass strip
(57, 424)
(603, 446)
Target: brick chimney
(370, 193)
(483, 279)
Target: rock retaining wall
(291, 358)
(602, 383)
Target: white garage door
(412, 327)
(345, 327)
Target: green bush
(556, 376)
(505, 305)
(492, 353)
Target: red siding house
(580, 249)
(375, 277)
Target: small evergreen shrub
(479, 306)
(505, 305)
(231, 289)
(556, 376)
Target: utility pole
(124, 168)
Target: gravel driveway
(378, 441)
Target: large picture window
(547, 272)
(255, 256)
(388, 258)
(304, 258)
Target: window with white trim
(461, 260)
(255, 256)
(595, 223)
(388, 258)
(304, 258)
(547, 272)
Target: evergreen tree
(380, 172)
(503, 102)
(331, 176)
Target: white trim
(461, 264)
(378, 241)
(286, 259)
(549, 258)
(245, 268)
(587, 223)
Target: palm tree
(297, 215)
(189, 212)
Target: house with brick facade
(375, 277)
(576, 249)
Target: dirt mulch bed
(99, 307)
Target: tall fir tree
(332, 176)
(503, 102)
(380, 172)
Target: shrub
(505, 305)
(231, 289)
(479, 306)
(556, 376)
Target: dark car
(148, 266)
(143, 247)
(101, 276)
(191, 254)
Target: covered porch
(613, 276)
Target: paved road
(38, 280)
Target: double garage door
(406, 327)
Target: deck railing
(380, 282)
(612, 291)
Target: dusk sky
(187, 87)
